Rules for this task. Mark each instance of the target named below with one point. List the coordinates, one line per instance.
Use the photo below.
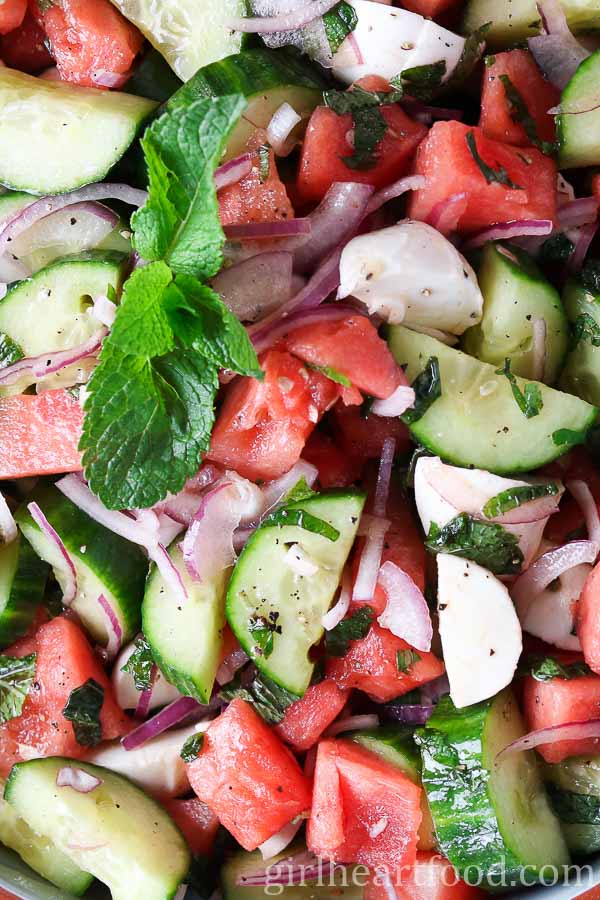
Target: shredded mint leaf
(547, 668)
(590, 276)
(354, 628)
(301, 519)
(141, 665)
(339, 22)
(585, 328)
(421, 82)
(470, 56)
(519, 113)
(486, 543)
(263, 631)
(491, 175)
(83, 711)
(370, 127)
(405, 659)
(269, 699)
(557, 249)
(301, 491)
(180, 221)
(517, 496)
(192, 747)
(428, 388)
(529, 400)
(572, 808)
(16, 677)
(10, 352)
(563, 436)
(264, 157)
(331, 373)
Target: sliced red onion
(397, 403)
(300, 319)
(8, 526)
(143, 705)
(168, 717)
(435, 690)
(70, 574)
(408, 713)
(304, 867)
(233, 171)
(275, 491)
(278, 842)
(446, 214)
(230, 665)
(104, 310)
(169, 572)
(78, 779)
(577, 106)
(406, 612)
(354, 47)
(507, 230)
(333, 222)
(256, 286)
(258, 231)
(49, 363)
(538, 349)
(549, 567)
(12, 269)
(393, 191)
(384, 477)
(280, 128)
(370, 562)
(77, 491)
(368, 522)
(587, 504)
(292, 21)
(583, 242)
(112, 80)
(578, 212)
(570, 731)
(45, 206)
(114, 630)
(352, 723)
(339, 610)
(556, 51)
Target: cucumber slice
(23, 577)
(185, 637)
(574, 789)
(50, 310)
(578, 136)
(140, 854)
(346, 883)
(40, 853)
(581, 374)
(515, 294)
(105, 563)
(267, 78)
(264, 588)
(55, 137)
(153, 78)
(187, 33)
(490, 817)
(512, 21)
(477, 422)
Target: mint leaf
(516, 496)
(192, 747)
(563, 436)
(421, 82)
(180, 221)
(370, 127)
(339, 22)
(263, 631)
(585, 328)
(528, 400)
(519, 113)
(10, 352)
(547, 668)
(140, 665)
(142, 326)
(16, 677)
(269, 699)
(428, 388)
(486, 543)
(470, 56)
(491, 175)
(300, 491)
(331, 373)
(83, 711)
(301, 519)
(590, 276)
(405, 659)
(572, 808)
(557, 249)
(354, 628)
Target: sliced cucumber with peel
(104, 562)
(477, 422)
(491, 816)
(139, 852)
(574, 789)
(513, 21)
(185, 636)
(581, 373)
(265, 592)
(56, 137)
(578, 135)
(40, 853)
(267, 78)
(23, 577)
(515, 294)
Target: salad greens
(17, 675)
(83, 711)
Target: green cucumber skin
(513, 21)
(19, 605)
(574, 789)
(578, 136)
(119, 564)
(395, 744)
(581, 372)
(153, 78)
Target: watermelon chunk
(557, 702)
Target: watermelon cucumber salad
(299, 446)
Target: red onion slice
(397, 403)
(70, 574)
(230, 665)
(299, 869)
(406, 613)
(446, 214)
(112, 80)
(233, 171)
(339, 610)
(352, 723)
(577, 106)
(143, 706)
(292, 21)
(582, 211)
(507, 230)
(586, 235)
(549, 567)
(276, 491)
(114, 630)
(301, 318)
(256, 286)
(77, 491)
(384, 477)
(167, 718)
(556, 51)
(538, 348)
(570, 731)
(587, 504)
(333, 222)
(12, 269)
(278, 842)
(393, 191)
(105, 310)
(258, 231)
(78, 779)
(45, 206)
(408, 713)
(280, 128)
(169, 572)
(49, 363)
(8, 526)
(370, 562)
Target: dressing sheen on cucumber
(268, 603)
(490, 816)
(578, 135)
(581, 373)
(477, 421)
(23, 578)
(511, 21)
(140, 854)
(574, 789)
